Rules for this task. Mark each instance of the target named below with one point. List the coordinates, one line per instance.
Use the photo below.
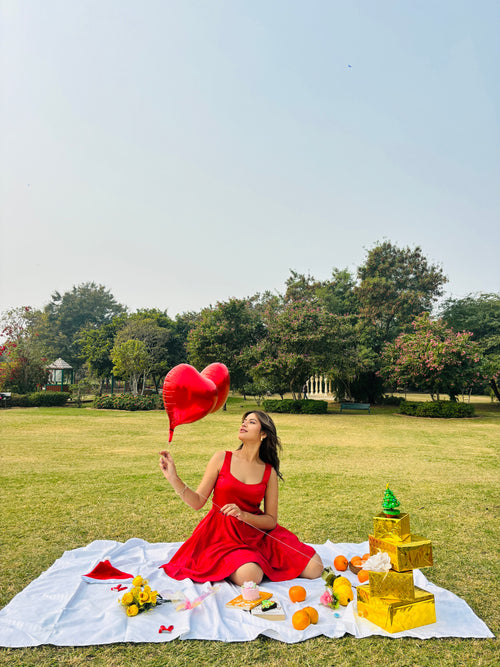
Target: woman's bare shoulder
(273, 474)
(217, 459)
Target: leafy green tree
(267, 305)
(95, 350)
(184, 322)
(300, 288)
(479, 314)
(156, 331)
(433, 359)
(224, 334)
(22, 361)
(130, 361)
(338, 295)
(396, 285)
(353, 374)
(165, 340)
(301, 339)
(86, 306)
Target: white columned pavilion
(319, 386)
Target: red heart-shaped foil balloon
(219, 375)
(189, 395)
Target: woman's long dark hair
(270, 445)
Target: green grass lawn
(70, 476)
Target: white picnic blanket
(62, 609)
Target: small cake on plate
(250, 591)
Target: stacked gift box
(390, 599)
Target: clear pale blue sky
(181, 152)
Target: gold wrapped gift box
(392, 584)
(399, 526)
(396, 615)
(409, 555)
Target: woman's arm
(269, 519)
(195, 499)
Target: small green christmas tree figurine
(390, 504)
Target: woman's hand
(167, 466)
(232, 510)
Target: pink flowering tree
(433, 359)
(22, 364)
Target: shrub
(105, 402)
(290, 406)
(128, 402)
(310, 407)
(442, 409)
(40, 399)
(20, 401)
(49, 398)
(287, 405)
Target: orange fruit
(300, 620)
(312, 613)
(365, 557)
(297, 593)
(363, 576)
(356, 561)
(340, 563)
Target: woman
(237, 540)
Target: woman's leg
(314, 568)
(247, 572)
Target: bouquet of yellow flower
(140, 597)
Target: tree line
(368, 331)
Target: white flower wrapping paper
(378, 563)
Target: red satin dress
(220, 544)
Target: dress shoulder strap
(226, 466)
(267, 473)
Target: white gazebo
(60, 376)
